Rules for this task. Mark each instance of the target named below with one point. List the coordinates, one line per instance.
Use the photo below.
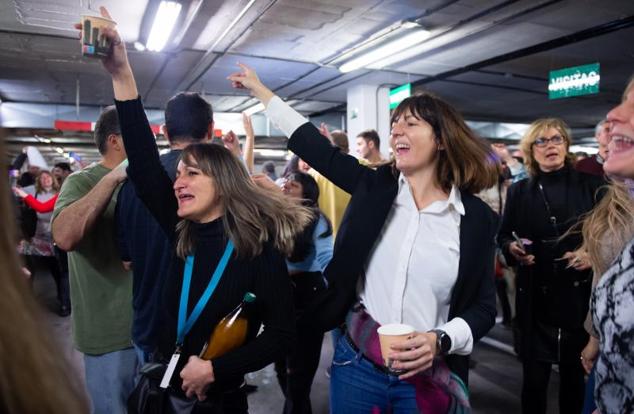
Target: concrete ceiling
(489, 58)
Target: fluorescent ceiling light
(384, 51)
(59, 150)
(254, 109)
(163, 25)
(409, 24)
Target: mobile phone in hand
(519, 241)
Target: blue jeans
(357, 386)
(110, 380)
(589, 404)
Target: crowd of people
(150, 252)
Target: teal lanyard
(184, 323)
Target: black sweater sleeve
(342, 169)
(274, 297)
(18, 162)
(151, 182)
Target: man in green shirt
(101, 289)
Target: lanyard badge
(185, 323)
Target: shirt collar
(454, 201)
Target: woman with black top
(310, 256)
(212, 206)
(553, 284)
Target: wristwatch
(443, 341)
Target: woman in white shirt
(424, 244)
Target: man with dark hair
(61, 170)
(369, 146)
(101, 290)
(142, 244)
(188, 117)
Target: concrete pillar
(369, 108)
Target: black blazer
(373, 193)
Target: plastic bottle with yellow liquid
(230, 332)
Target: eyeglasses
(542, 142)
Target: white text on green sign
(575, 81)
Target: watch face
(444, 342)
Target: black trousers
(64, 289)
(295, 373)
(52, 265)
(234, 402)
(535, 387)
(501, 286)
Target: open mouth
(401, 148)
(620, 144)
(184, 198)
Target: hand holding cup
(110, 48)
(407, 354)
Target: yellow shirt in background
(332, 200)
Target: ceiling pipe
(566, 40)
(210, 57)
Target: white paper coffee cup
(389, 334)
(94, 44)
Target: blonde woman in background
(553, 284)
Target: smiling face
(46, 180)
(198, 199)
(620, 161)
(552, 155)
(413, 143)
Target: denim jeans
(357, 386)
(110, 380)
(589, 404)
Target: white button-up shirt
(413, 266)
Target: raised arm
(305, 139)
(249, 143)
(145, 170)
(40, 206)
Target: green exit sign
(400, 93)
(576, 81)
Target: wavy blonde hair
(536, 129)
(36, 375)
(252, 215)
(608, 227)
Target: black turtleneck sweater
(568, 194)
(265, 275)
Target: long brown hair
(466, 161)
(537, 128)
(252, 215)
(38, 184)
(36, 375)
